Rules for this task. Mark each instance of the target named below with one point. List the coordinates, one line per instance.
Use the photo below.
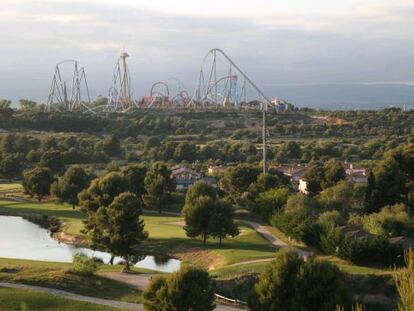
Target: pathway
(259, 228)
(68, 295)
(100, 301)
(275, 241)
(141, 282)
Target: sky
(311, 52)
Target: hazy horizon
(325, 54)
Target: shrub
(290, 283)
(84, 265)
(187, 289)
(371, 251)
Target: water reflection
(21, 239)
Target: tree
(5, 108)
(111, 145)
(291, 284)
(404, 280)
(188, 289)
(270, 201)
(300, 202)
(197, 216)
(27, 105)
(221, 222)
(237, 180)
(123, 226)
(344, 196)
(314, 176)
(94, 201)
(289, 150)
(205, 215)
(333, 173)
(158, 184)
(10, 166)
(52, 160)
(272, 179)
(102, 191)
(135, 176)
(185, 151)
(5, 104)
(37, 181)
(386, 186)
(198, 189)
(390, 221)
(112, 216)
(67, 188)
(199, 204)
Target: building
(406, 242)
(294, 172)
(354, 174)
(353, 233)
(280, 105)
(303, 186)
(185, 177)
(216, 169)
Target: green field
(60, 276)
(165, 233)
(12, 299)
(11, 187)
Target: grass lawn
(231, 272)
(165, 232)
(167, 235)
(10, 187)
(353, 269)
(71, 217)
(59, 275)
(12, 299)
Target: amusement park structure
(220, 84)
(68, 84)
(168, 94)
(120, 94)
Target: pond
(21, 239)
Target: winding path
(259, 228)
(72, 296)
(275, 241)
(138, 280)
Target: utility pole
(264, 130)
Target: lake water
(21, 239)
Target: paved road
(275, 241)
(68, 295)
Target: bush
(294, 224)
(187, 289)
(290, 283)
(371, 251)
(84, 265)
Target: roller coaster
(69, 90)
(220, 84)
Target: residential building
(185, 177)
(406, 242)
(355, 174)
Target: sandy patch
(176, 223)
(200, 257)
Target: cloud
(330, 43)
